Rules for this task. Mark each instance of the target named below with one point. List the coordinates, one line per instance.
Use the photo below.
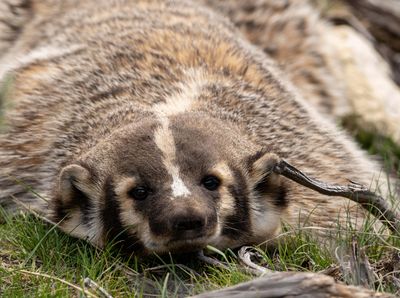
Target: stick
(244, 255)
(293, 284)
(355, 192)
(94, 286)
(167, 266)
(211, 261)
(57, 279)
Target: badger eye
(211, 182)
(139, 193)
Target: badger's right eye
(139, 193)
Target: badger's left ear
(263, 181)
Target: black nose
(187, 224)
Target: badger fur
(155, 123)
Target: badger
(155, 124)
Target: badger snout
(185, 225)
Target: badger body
(155, 123)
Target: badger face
(171, 185)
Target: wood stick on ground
(245, 255)
(168, 266)
(293, 284)
(95, 287)
(56, 279)
(211, 261)
(375, 204)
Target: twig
(167, 266)
(244, 255)
(95, 287)
(57, 279)
(360, 267)
(353, 191)
(211, 261)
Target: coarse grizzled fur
(156, 122)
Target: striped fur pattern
(293, 34)
(122, 110)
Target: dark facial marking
(60, 211)
(112, 223)
(277, 192)
(80, 199)
(281, 197)
(253, 158)
(238, 224)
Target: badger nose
(188, 224)
(185, 227)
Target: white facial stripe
(179, 189)
(180, 102)
(183, 100)
(165, 142)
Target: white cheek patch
(264, 217)
(74, 226)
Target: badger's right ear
(75, 206)
(76, 186)
(73, 178)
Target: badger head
(172, 184)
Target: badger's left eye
(211, 182)
(139, 193)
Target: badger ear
(262, 164)
(74, 206)
(264, 181)
(75, 183)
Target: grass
(375, 144)
(38, 260)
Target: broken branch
(370, 201)
(245, 255)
